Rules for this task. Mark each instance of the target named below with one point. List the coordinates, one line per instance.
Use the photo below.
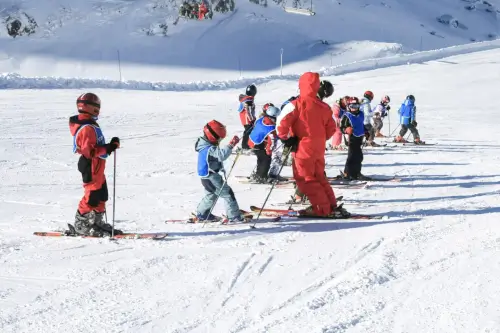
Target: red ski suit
(95, 190)
(311, 122)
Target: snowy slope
(83, 39)
(431, 267)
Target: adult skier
(352, 124)
(246, 110)
(305, 127)
(379, 113)
(210, 164)
(264, 143)
(89, 142)
(408, 120)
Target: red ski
(133, 235)
(301, 214)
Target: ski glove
(291, 142)
(388, 107)
(348, 130)
(112, 145)
(414, 123)
(234, 141)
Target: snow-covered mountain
(148, 40)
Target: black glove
(112, 145)
(367, 135)
(414, 123)
(291, 142)
(388, 107)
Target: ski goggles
(354, 106)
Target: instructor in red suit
(305, 126)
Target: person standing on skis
(263, 141)
(408, 120)
(338, 109)
(352, 124)
(379, 113)
(89, 142)
(210, 164)
(246, 110)
(366, 108)
(305, 126)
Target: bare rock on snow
(447, 19)
(20, 24)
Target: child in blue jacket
(408, 120)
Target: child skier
(366, 108)
(352, 124)
(264, 142)
(338, 109)
(246, 110)
(89, 142)
(408, 120)
(379, 113)
(210, 164)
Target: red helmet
(266, 106)
(89, 103)
(353, 103)
(368, 94)
(214, 131)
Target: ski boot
(400, 139)
(417, 141)
(276, 178)
(92, 224)
(362, 177)
(242, 218)
(339, 212)
(195, 218)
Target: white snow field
(120, 39)
(431, 266)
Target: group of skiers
(300, 127)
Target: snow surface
(86, 39)
(432, 266)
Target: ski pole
(269, 194)
(389, 120)
(222, 187)
(114, 195)
(394, 130)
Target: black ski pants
(246, 136)
(263, 163)
(354, 157)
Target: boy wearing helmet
(246, 110)
(366, 108)
(210, 164)
(89, 142)
(352, 124)
(263, 141)
(379, 113)
(408, 120)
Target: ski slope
(431, 267)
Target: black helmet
(411, 97)
(325, 89)
(251, 90)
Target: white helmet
(273, 111)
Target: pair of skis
(129, 235)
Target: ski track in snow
(430, 267)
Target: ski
(343, 186)
(129, 235)
(220, 220)
(337, 180)
(300, 214)
(340, 177)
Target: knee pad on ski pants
(210, 187)
(98, 196)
